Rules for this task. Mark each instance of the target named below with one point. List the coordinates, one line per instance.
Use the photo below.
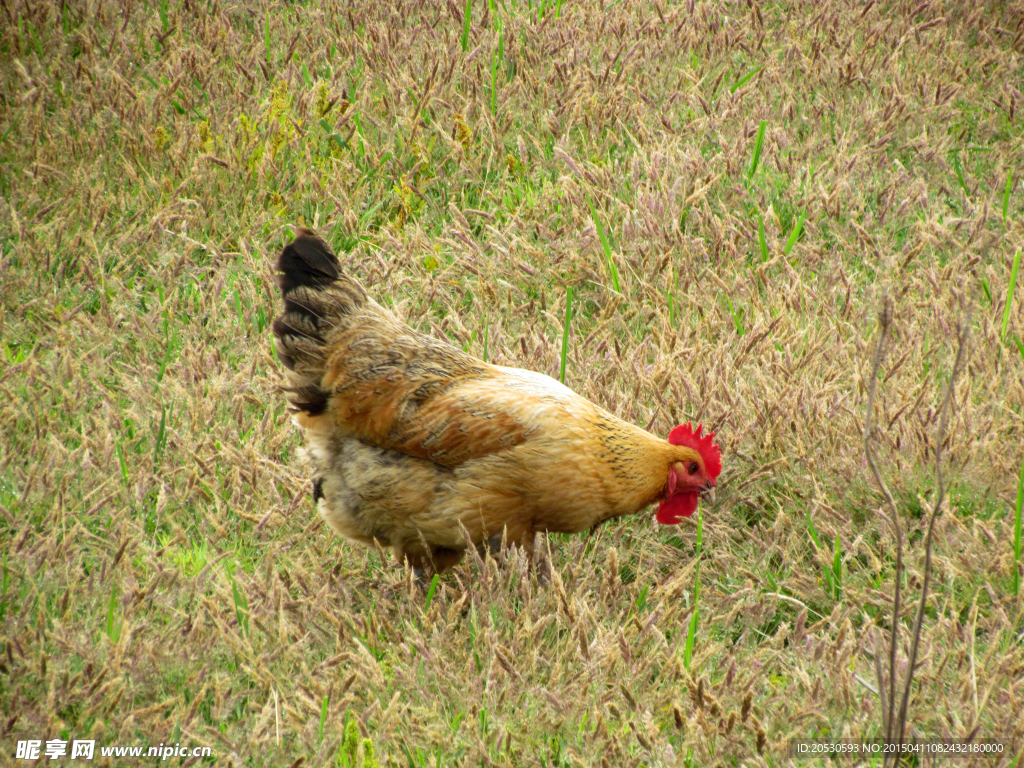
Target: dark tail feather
(307, 262)
(317, 296)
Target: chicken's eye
(693, 468)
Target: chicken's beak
(709, 493)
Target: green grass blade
(172, 343)
(359, 132)
(761, 241)
(812, 530)
(35, 39)
(161, 435)
(113, 625)
(700, 533)
(606, 245)
(829, 572)
(110, 612)
(430, 593)
(758, 148)
(691, 631)
(241, 607)
(124, 466)
(794, 235)
(691, 634)
(1009, 291)
(837, 570)
(737, 316)
(487, 335)
(323, 715)
(641, 600)
(12, 126)
(565, 331)
(959, 170)
(467, 16)
(743, 80)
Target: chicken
(423, 448)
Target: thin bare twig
(885, 323)
(894, 723)
(940, 497)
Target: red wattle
(674, 508)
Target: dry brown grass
(165, 577)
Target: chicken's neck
(637, 462)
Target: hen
(416, 444)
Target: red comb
(709, 452)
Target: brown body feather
(415, 442)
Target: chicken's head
(693, 475)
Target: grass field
(729, 188)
